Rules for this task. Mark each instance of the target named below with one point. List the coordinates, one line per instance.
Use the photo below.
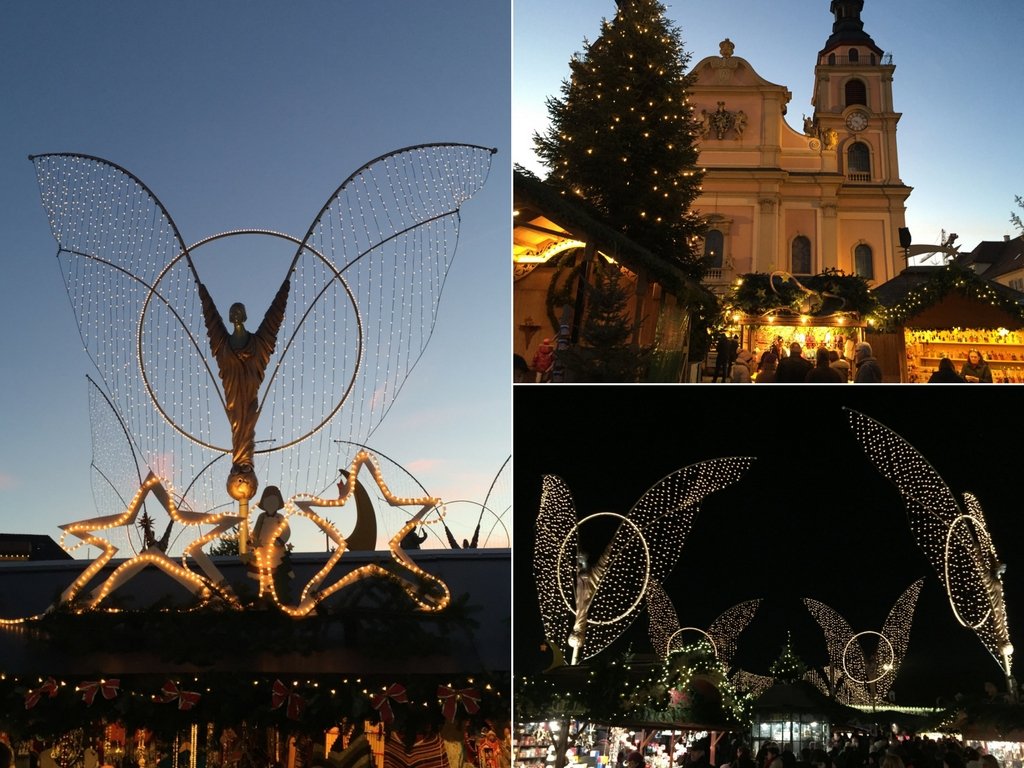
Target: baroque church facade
(826, 197)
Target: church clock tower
(854, 116)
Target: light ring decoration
(647, 566)
(886, 667)
(969, 519)
(714, 645)
(233, 233)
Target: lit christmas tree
(788, 668)
(606, 354)
(622, 134)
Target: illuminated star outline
(85, 530)
(403, 571)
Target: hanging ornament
(450, 698)
(280, 695)
(171, 692)
(48, 688)
(382, 701)
(89, 689)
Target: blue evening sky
(249, 114)
(957, 81)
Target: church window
(714, 243)
(863, 264)
(801, 255)
(831, 58)
(854, 56)
(858, 161)
(856, 92)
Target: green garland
(952, 277)
(758, 294)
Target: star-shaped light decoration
(428, 592)
(86, 531)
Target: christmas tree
(622, 134)
(606, 354)
(788, 668)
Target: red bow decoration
(90, 688)
(450, 698)
(382, 701)
(280, 694)
(48, 688)
(170, 692)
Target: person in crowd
(946, 374)
(698, 755)
(976, 370)
(952, 759)
(793, 369)
(890, 760)
(740, 372)
(742, 759)
(770, 357)
(989, 761)
(635, 760)
(543, 360)
(722, 358)
(840, 364)
(823, 372)
(6, 756)
(771, 757)
(767, 373)
(868, 369)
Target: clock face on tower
(857, 120)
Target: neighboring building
(1001, 261)
(829, 197)
(28, 546)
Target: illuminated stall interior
(555, 241)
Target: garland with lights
(691, 686)
(832, 291)
(165, 704)
(943, 281)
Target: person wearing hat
(740, 373)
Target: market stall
(928, 313)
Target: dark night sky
(812, 518)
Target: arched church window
(831, 59)
(863, 263)
(854, 55)
(858, 160)
(714, 244)
(856, 92)
(800, 261)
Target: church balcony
(858, 176)
(869, 60)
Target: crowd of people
(846, 361)
(862, 751)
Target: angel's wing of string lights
(366, 280)
(866, 676)
(598, 601)
(667, 636)
(955, 539)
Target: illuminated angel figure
(587, 602)
(667, 636)
(865, 677)
(361, 289)
(955, 539)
